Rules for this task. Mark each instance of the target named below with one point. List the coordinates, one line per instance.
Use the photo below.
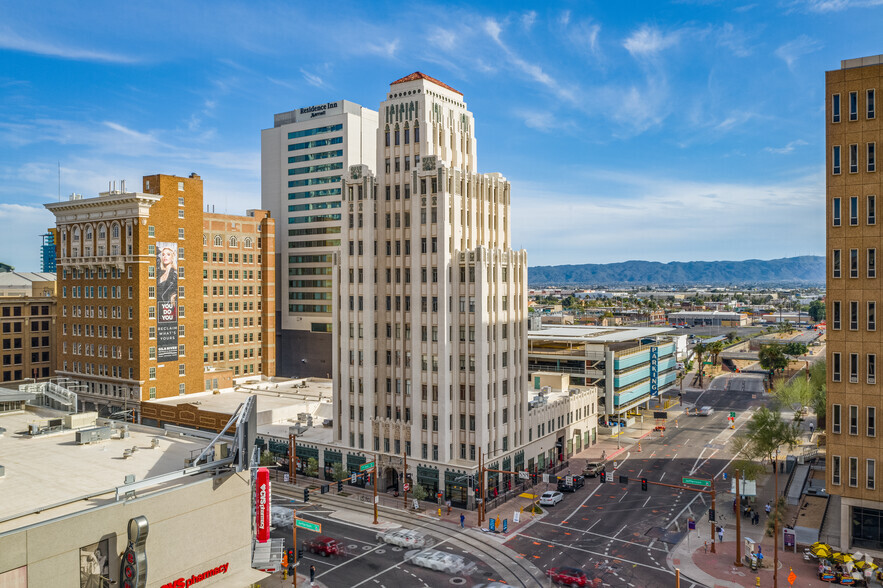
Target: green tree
(418, 492)
(267, 458)
(795, 349)
(732, 336)
(772, 357)
(312, 469)
(817, 310)
(767, 432)
(338, 472)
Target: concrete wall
(192, 529)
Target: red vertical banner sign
(262, 505)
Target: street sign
(792, 577)
(407, 486)
(366, 466)
(546, 478)
(308, 525)
(523, 476)
(696, 481)
(660, 414)
(732, 414)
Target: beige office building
(430, 322)
(853, 290)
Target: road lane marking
(645, 502)
(634, 563)
(380, 573)
(576, 510)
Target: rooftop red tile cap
(422, 76)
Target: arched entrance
(391, 479)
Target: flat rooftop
(586, 334)
(51, 469)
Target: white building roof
(590, 334)
(51, 469)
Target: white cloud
(312, 79)
(736, 41)
(823, 6)
(615, 216)
(648, 41)
(790, 52)
(528, 19)
(787, 148)
(444, 39)
(11, 40)
(584, 36)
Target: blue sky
(665, 131)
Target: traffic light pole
(714, 509)
(294, 538)
(481, 487)
(405, 481)
(375, 489)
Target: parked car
(407, 538)
(573, 577)
(570, 483)
(440, 561)
(593, 468)
(706, 411)
(551, 498)
(324, 546)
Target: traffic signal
(711, 514)
(603, 477)
(306, 494)
(340, 485)
(644, 484)
(289, 556)
(300, 553)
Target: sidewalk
(276, 581)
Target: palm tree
(700, 349)
(716, 349)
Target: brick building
(27, 326)
(239, 286)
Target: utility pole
(738, 562)
(405, 481)
(714, 508)
(776, 523)
(375, 488)
(292, 450)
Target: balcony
(95, 261)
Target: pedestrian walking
(767, 508)
(756, 518)
(734, 505)
(812, 427)
(462, 521)
(720, 534)
(312, 575)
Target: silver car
(441, 561)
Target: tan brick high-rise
(114, 336)
(853, 128)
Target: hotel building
(156, 297)
(303, 158)
(430, 330)
(854, 237)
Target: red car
(573, 577)
(324, 546)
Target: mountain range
(806, 270)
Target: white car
(441, 561)
(407, 538)
(551, 498)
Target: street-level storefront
(429, 479)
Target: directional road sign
(366, 466)
(696, 481)
(308, 525)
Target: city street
(621, 534)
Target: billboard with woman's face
(166, 301)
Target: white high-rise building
(430, 330)
(303, 158)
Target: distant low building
(712, 318)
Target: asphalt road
(622, 535)
(371, 563)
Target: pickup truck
(593, 468)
